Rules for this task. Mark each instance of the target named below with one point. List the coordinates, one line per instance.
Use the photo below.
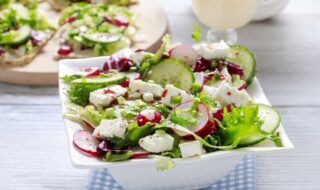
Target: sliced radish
(65, 50)
(105, 147)
(199, 78)
(243, 86)
(203, 127)
(90, 72)
(85, 142)
(139, 153)
(87, 123)
(186, 53)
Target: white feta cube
(147, 96)
(105, 96)
(227, 77)
(110, 128)
(170, 91)
(211, 51)
(227, 94)
(142, 87)
(157, 142)
(138, 57)
(191, 149)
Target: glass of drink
(224, 16)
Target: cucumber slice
(103, 38)
(271, 118)
(16, 37)
(243, 57)
(114, 79)
(172, 71)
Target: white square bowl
(141, 174)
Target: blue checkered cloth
(243, 177)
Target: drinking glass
(223, 17)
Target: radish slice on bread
(185, 53)
(203, 126)
(85, 142)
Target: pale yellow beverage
(224, 14)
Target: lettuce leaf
(115, 157)
(241, 125)
(132, 136)
(68, 78)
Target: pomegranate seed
(157, 117)
(141, 120)
(125, 83)
(65, 50)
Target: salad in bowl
(181, 105)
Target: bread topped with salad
(180, 102)
(24, 31)
(94, 30)
(59, 5)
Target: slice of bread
(27, 58)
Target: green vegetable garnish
(132, 136)
(68, 78)
(196, 34)
(163, 163)
(175, 99)
(114, 157)
(241, 125)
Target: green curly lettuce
(89, 114)
(241, 125)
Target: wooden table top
(33, 144)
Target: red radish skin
(87, 123)
(70, 19)
(219, 113)
(204, 126)
(85, 143)
(91, 72)
(119, 20)
(185, 53)
(242, 87)
(139, 153)
(65, 50)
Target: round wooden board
(151, 22)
